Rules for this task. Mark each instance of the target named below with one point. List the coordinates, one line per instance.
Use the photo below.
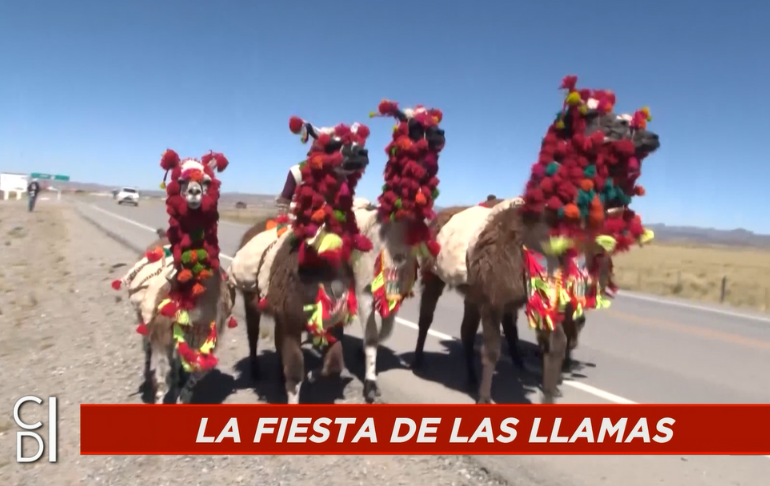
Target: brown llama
(298, 264)
(490, 255)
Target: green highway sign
(45, 177)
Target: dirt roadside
(70, 335)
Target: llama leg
(293, 366)
(333, 359)
(252, 330)
(468, 330)
(368, 320)
(553, 358)
(511, 332)
(432, 289)
(147, 359)
(161, 365)
(490, 354)
(186, 393)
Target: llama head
(411, 185)
(589, 162)
(340, 149)
(193, 182)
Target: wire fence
(709, 287)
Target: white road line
(591, 390)
(659, 300)
(140, 225)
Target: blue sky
(98, 89)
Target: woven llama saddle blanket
(147, 276)
(250, 268)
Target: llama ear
(215, 161)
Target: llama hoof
(371, 391)
(484, 401)
(312, 376)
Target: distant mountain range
(663, 232)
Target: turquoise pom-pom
(552, 168)
(589, 171)
(560, 212)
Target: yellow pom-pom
(573, 98)
(583, 109)
(560, 125)
(646, 111)
(163, 185)
(372, 114)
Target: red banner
(425, 429)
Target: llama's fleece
(245, 271)
(458, 237)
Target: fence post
(724, 289)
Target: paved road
(643, 350)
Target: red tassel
(168, 310)
(116, 284)
(142, 329)
(434, 248)
(262, 305)
(232, 323)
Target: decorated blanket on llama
(250, 268)
(458, 238)
(147, 276)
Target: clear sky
(97, 89)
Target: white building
(13, 183)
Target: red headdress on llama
(324, 221)
(411, 182)
(582, 184)
(191, 203)
(586, 172)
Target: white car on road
(128, 195)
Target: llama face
(619, 127)
(432, 134)
(355, 156)
(194, 183)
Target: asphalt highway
(643, 349)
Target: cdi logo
(52, 429)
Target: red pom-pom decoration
(295, 124)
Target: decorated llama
(397, 226)
(296, 268)
(576, 204)
(178, 289)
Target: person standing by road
(32, 191)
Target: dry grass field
(695, 271)
(246, 216)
